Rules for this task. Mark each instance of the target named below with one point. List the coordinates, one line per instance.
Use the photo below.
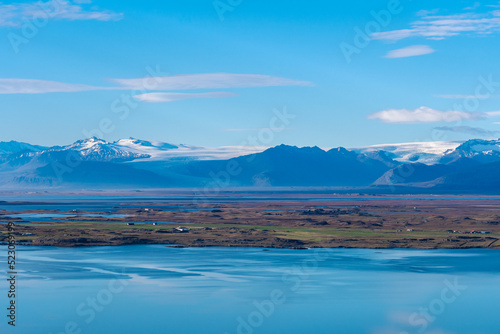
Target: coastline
(244, 246)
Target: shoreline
(2, 244)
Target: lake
(158, 289)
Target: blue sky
(213, 73)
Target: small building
(182, 229)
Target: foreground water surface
(158, 289)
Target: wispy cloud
(439, 27)
(426, 115)
(410, 51)
(475, 6)
(249, 129)
(33, 86)
(425, 12)
(464, 96)
(456, 96)
(170, 97)
(209, 81)
(469, 130)
(15, 14)
(157, 84)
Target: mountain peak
(290, 149)
(339, 150)
(477, 149)
(89, 142)
(479, 144)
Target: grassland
(406, 222)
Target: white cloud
(170, 97)
(438, 27)
(410, 51)
(426, 115)
(16, 14)
(492, 113)
(32, 86)
(208, 81)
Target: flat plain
(320, 220)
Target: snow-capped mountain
(144, 146)
(136, 150)
(428, 153)
(124, 150)
(477, 149)
(128, 163)
(91, 149)
(98, 149)
(159, 151)
(458, 167)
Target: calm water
(155, 289)
(40, 217)
(93, 203)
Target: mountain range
(132, 163)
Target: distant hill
(292, 166)
(13, 147)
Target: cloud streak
(410, 51)
(469, 130)
(427, 115)
(249, 129)
(171, 97)
(33, 86)
(465, 96)
(438, 27)
(456, 96)
(144, 88)
(209, 81)
(14, 15)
